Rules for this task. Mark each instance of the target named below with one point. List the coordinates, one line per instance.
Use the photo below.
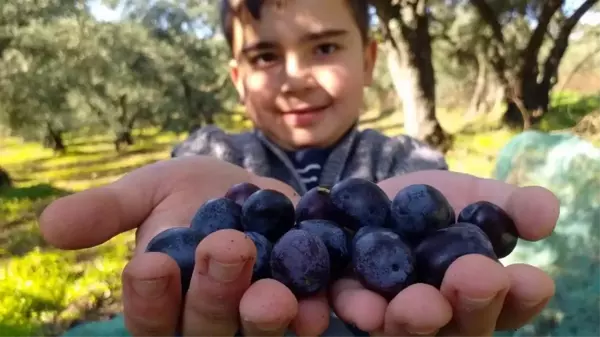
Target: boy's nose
(298, 76)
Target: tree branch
(529, 67)
(572, 21)
(537, 37)
(561, 43)
(487, 14)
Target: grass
(43, 290)
(569, 108)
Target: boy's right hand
(220, 298)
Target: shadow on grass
(567, 110)
(37, 166)
(33, 165)
(20, 234)
(81, 140)
(27, 172)
(21, 238)
(40, 191)
(12, 330)
(98, 174)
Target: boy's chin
(303, 139)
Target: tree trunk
(528, 92)
(54, 139)
(406, 30)
(189, 99)
(126, 123)
(519, 104)
(208, 116)
(419, 115)
(5, 181)
(478, 99)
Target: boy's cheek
(256, 81)
(342, 79)
(332, 80)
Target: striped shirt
(309, 164)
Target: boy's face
(301, 69)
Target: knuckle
(141, 326)
(212, 311)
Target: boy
(299, 67)
(302, 86)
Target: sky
(104, 13)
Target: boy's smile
(300, 71)
(305, 116)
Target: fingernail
(469, 303)
(531, 304)
(150, 288)
(224, 272)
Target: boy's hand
(220, 298)
(167, 194)
(478, 295)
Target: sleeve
(409, 155)
(207, 141)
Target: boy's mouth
(306, 110)
(305, 116)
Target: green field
(42, 290)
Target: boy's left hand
(478, 296)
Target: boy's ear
(370, 58)
(236, 78)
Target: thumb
(92, 217)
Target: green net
(569, 167)
(114, 327)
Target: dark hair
(359, 9)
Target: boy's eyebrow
(323, 34)
(263, 45)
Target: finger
(223, 271)
(92, 217)
(475, 286)
(313, 316)
(186, 200)
(530, 291)
(267, 309)
(535, 210)
(151, 295)
(419, 309)
(358, 306)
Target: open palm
(477, 296)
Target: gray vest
(366, 154)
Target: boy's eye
(263, 59)
(327, 48)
